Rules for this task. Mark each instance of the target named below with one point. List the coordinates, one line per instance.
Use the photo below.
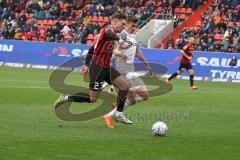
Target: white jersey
(130, 52)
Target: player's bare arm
(142, 58)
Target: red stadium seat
(224, 17)
(217, 36)
(39, 22)
(45, 22)
(177, 10)
(222, 36)
(100, 19)
(95, 18)
(106, 19)
(199, 23)
(51, 22)
(159, 3)
(159, 10)
(230, 24)
(189, 10)
(182, 16)
(183, 10)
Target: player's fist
(123, 44)
(84, 71)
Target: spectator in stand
(220, 18)
(170, 44)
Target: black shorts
(99, 75)
(185, 66)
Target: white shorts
(124, 69)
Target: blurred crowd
(70, 21)
(218, 30)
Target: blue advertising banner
(40, 53)
(206, 64)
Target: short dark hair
(132, 19)
(118, 16)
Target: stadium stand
(79, 21)
(74, 21)
(217, 30)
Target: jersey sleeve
(123, 35)
(109, 33)
(89, 56)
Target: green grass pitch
(203, 124)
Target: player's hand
(190, 58)
(150, 71)
(123, 44)
(84, 71)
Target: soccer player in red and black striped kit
(100, 69)
(186, 63)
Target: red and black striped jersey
(187, 49)
(103, 48)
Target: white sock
(117, 113)
(137, 99)
(127, 103)
(112, 113)
(65, 98)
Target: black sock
(122, 96)
(173, 76)
(191, 80)
(79, 97)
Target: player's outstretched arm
(142, 58)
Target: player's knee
(191, 72)
(179, 72)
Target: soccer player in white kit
(138, 91)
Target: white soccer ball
(159, 129)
